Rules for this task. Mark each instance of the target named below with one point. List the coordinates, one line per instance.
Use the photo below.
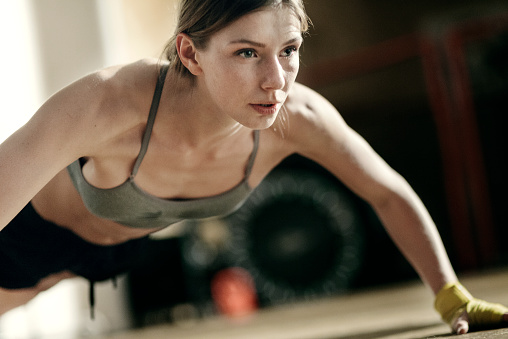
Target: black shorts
(32, 248)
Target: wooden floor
(398, 312)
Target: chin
(260, 123)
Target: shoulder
(309, 109)
(124, 95)
(128, 85)
(313, 121)
(114, 88)
(100, 106)
(125, 86)
(132, 76)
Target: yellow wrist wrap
(454, 299)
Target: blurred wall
(133, 29)
(78, 37)
(20, 81)
(390, 106)
(68, 40)
(343, 26)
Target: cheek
(235, 79)
(293, 67)
(227, 83)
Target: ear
(187, 53)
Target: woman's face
(248, 67)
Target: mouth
(266, 108)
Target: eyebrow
(261, 45)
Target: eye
(289, 51)
(247, 53)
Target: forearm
(412, 229)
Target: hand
(461, 324)
(461, 310)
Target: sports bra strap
(252, 155)
(151, 119)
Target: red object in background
(234, 292)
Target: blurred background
(425, 82)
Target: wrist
(452, 300)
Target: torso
(167, 171)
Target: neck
(197, 123)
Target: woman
(105, 162)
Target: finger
(461, 324)
(461, 327)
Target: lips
(266, 108)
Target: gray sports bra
(129, 205)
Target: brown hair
(199, 19)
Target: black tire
(300, 236)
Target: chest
(186, 173)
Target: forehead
(267, 23)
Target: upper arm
(62, 130)
(320, 133)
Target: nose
(273, 75)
